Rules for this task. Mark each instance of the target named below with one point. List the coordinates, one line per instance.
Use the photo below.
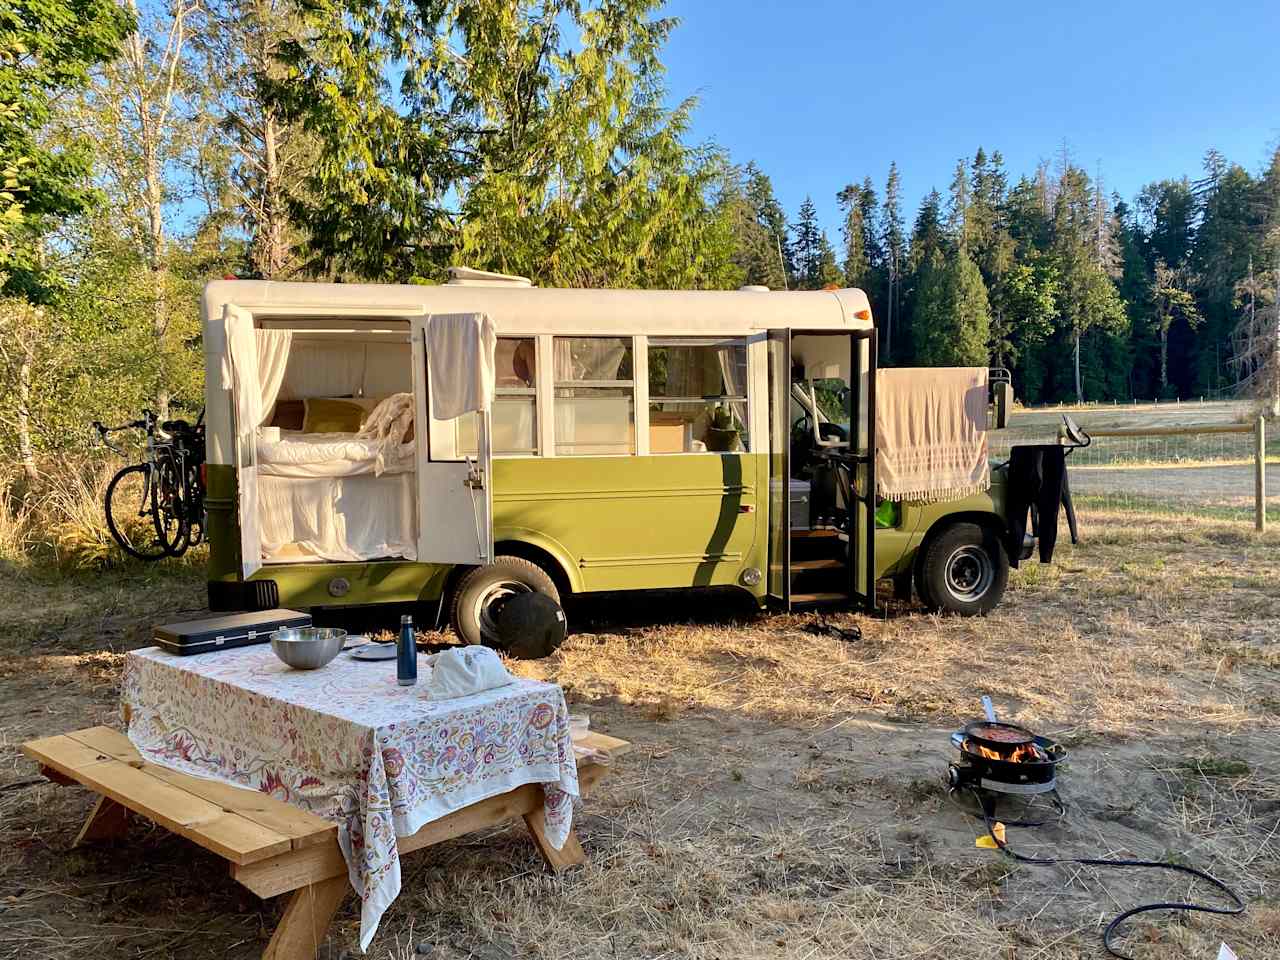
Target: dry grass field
(784, 799)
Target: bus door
(455, 490)
(822, 539)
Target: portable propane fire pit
(1005, 761)
(1003, 758)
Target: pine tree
(773, 220)
(892, 243)
(855, 231)
(951, 321)
(958, 208)
(1226, 241)
(806, 240)
(928, 234)
(1172, 303)
(828, 273)
(1087, 297)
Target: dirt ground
(785, 797)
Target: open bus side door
(779, 364)
(242, 356)
(455, 490)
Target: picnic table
(311, 785)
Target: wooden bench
(273, 848)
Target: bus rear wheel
(479, 596)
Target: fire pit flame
(1018, 753)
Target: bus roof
(527, 310)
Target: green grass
(1223, 767)
(1167, 506)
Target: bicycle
(155, 509)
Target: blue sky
(820, 92)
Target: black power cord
(1107, 934)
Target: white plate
(374, 651)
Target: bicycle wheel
(167, 509)
(193, 499)
(128, 506)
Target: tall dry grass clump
(74, 522)
(15, 524)
(59, 517)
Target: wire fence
(1206, 471)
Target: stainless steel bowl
(306, 648)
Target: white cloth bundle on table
(460, 672)
(460, 353)
(931, 433)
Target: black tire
(478, 596)
(129, 507)
(965, 570)
(193, 500)
(168, 508)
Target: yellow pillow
(332, 415)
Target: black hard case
(224, 633)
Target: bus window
(594, 402)
(698, 396)
(515, 404)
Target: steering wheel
(802, 442)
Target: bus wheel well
(988, 521)
(540, 557)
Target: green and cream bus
(635, 440)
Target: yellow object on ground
(985, 841)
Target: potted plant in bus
(722, 435)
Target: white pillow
(463, 671)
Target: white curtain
(325, 368)
(584, 358)
(733, 367)
(273, 360)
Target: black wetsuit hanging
(1037, 481)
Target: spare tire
(482, 592)
(531, 626)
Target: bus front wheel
(480, 595)
(964, 570)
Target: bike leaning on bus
(155, 508)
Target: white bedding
(359, 517)
(311, 455)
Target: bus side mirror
(1002, 403)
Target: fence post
(1260, 475)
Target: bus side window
(594, 402)
(515, 404)
(698, 396)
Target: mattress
(349, 518)
(308, 455)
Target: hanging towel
(931, 433)
(460, 349)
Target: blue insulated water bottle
(406, 654)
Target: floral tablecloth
(346, 742)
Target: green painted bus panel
(383, 581)
(636, 523)
(222, 524)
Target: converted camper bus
(635, 440)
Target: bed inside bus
(331, 486)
